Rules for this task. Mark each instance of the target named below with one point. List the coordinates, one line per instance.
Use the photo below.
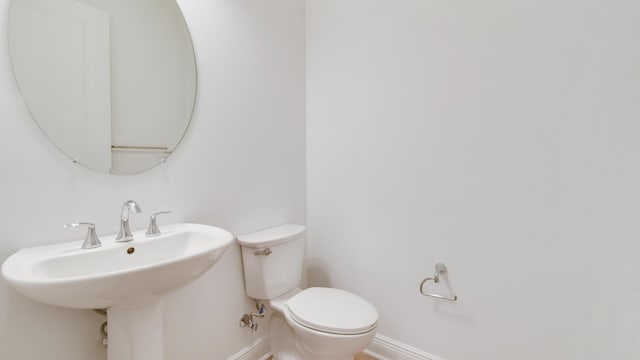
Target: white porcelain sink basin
(129, 279)
(116, 274)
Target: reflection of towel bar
(440, 269)
(125, 147)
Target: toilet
(313, 324)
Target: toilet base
(282, 339)
(286, 346)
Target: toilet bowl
(312, 324)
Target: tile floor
(362, 356)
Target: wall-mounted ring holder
(440, 269)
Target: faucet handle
(91, 240)
(153, 229)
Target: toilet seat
(332, 311)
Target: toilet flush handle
(265, 252)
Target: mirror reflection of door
(65, 64)
(111, 82)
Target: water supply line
(249, 320)
(104, 328)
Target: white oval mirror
(111, 82)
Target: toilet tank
(272, 260)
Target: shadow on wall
(317, 274)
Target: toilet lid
(332, 310)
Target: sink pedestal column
(136, 332)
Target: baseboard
(258, 350)
(383, 348)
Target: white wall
(500, 137)
(241, 167)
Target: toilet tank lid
(272, 236)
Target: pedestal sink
(129, 279)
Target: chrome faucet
(91, 240)
(153, 229)
(125, 232)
